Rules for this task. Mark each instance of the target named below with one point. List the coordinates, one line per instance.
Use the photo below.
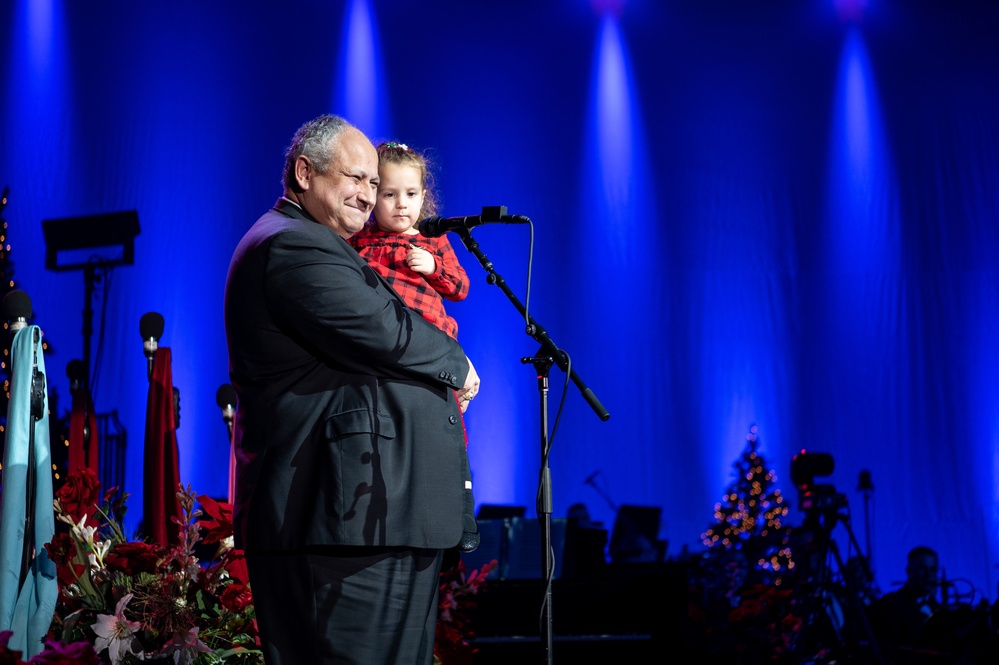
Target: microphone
(16, 309)
(226, 398)
(76, 372)
(590, 478)
(151, 329)
(434, 227)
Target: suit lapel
(289, 209)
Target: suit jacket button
(452, 419)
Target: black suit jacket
(347, 431)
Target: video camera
(813, 498)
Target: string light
(751, 513)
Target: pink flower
(186, 646)
(115, 633)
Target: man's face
(922, 573)
(343, 197)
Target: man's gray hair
(318, 140)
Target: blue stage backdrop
(773, 214)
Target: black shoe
(470, 538)
(468, 542)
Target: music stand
(88, 243)
(635, 536)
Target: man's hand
(470, 389)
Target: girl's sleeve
(449, 279)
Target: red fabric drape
(232, 472)
(161, 464)
(83, 451)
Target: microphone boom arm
(534, 329)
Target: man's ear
(303, 172)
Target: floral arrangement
(127, 601)
(766, 621)
(738, 615)
(135, 601)
(459, 587)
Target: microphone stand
(86, 426)
(865, 485)
(548, 354)
(225, 398)
(544, 501)
(603, 494)
(232, 458)
(89, 279)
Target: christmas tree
(57, 428)
(6, 286)
(749, 517)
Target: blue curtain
(744, 214)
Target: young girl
(424, 271)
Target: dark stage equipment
(72, 243)
(548, 354)
(90, 243)
(833, 618)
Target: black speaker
(515, 543)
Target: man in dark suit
(899, 617)
(352, 476)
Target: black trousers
(346, 605)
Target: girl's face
(400, 198)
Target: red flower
(61, 551)
(236, 597)
(133, 557)
(235, 565)
(457, 587)
(79, 495)
(7, 656)
(219, 527)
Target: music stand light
(72, 243)
(88, 243)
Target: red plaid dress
(386, 253)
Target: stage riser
(586, 649)
(626, 612)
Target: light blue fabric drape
(26, 609)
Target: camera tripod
(831, 603)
